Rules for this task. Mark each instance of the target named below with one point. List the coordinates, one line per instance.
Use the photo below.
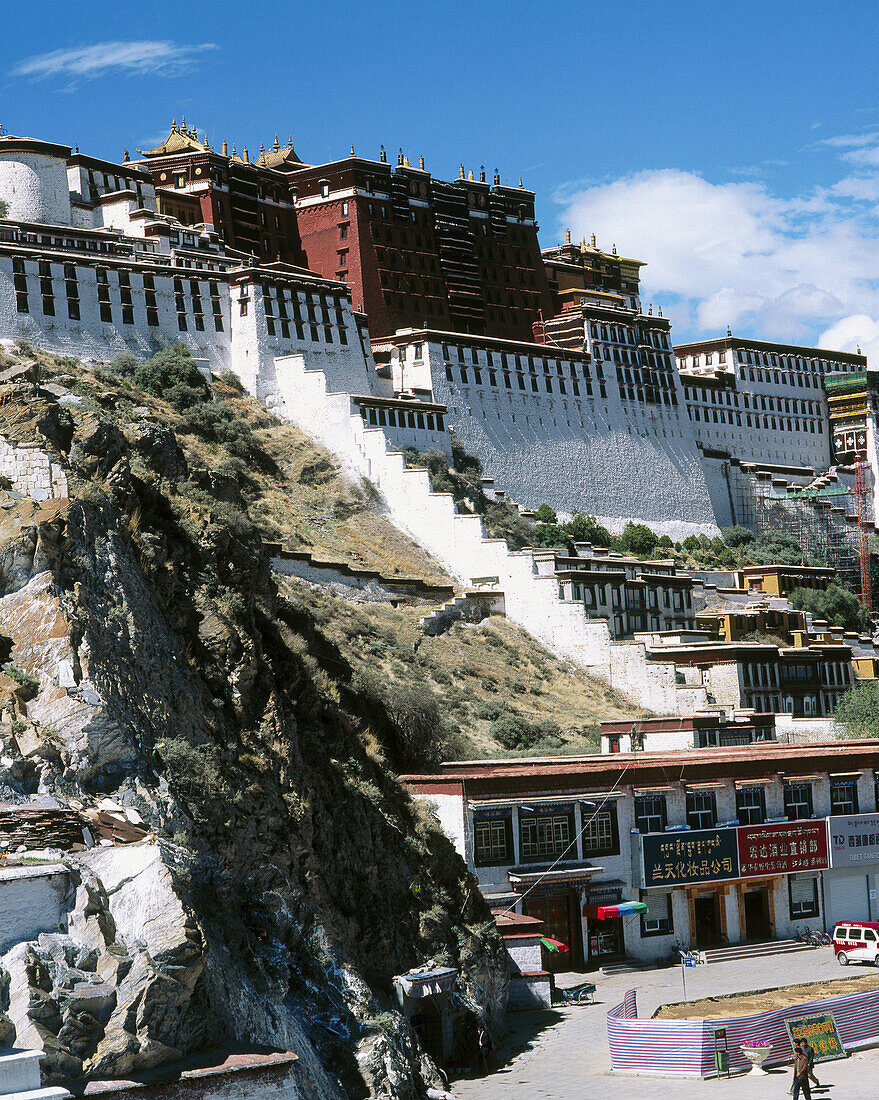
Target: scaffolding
(827, 520)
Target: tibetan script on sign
(782, 849)
(703, 855)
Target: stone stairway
(737, 952)
(459, 541)
(20, 1077)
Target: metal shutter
(846, 897)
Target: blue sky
(733, 147)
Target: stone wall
(32, 471)
(31, 902)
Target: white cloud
(789, 269)
(153, 58)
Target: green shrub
(638, 539)
(28, 682)
(858, 710)
(545, 514)
(836, 605)
(171, 373)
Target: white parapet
(20, 1077)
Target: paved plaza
(562, 1053)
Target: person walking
(809, 1050)
(801, 1072)
(484, 1048)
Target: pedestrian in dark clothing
(484, 1048)
(809, 1050)
(801, 1074)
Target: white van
(856, 941)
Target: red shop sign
(782, 849)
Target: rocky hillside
(148, 655)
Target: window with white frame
(546, 836)
(797, 801)
(650, 813)
(701, 809)
(751, 805)
(803, 897)
(658, 920)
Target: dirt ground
(765, 1000)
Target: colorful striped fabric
(685, 1048)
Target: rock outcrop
(148, 655)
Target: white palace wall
(614, 460)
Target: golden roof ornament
(277, 145)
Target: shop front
(850, 886)
(734, 877)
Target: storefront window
(803, 897)
(658, 921)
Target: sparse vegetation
(857, 712)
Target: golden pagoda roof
(280, 156)
(180, 140)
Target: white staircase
(20, 1076)
(459, 541)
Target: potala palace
(380, 308)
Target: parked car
(856, 941)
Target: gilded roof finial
(567, 236)
(421, 163)
(497, 178)
(470, 174)
(614, 249)
(225, 148)
(383, 156)
(173, 125)
(352, 153)
(125, 157)
(290, 142)
(262, 149)
(460, 171)
(520, 181)
(245, 155)
(277, 145)
(207, 144)
(405, 162)
(592, 242)
(183, 124)
(482, 173)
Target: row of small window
(650, 395)
(69, 244)
(403, 418)
(561, 383)
(674, 599)
(281, 300)
(508, 361)
(721, 416)
(622, 334)
(632, 357)
(781, 378)
(757, 402)
(651, 811)
(792, 363)
(544, 836)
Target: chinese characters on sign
(821, 1033)
(782, 849)
(703, 855)
(854, 841)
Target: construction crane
(863, 545)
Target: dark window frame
(489, 822)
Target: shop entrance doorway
(706, 920)
(756, 912)
(556, 911)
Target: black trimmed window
(803, 897)
(650, 813)
(701, 809)
(546, 836)
(751, 805)
(843, 796)
(797, 801)
(600, 832)
(19, 277)
(492, 841)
